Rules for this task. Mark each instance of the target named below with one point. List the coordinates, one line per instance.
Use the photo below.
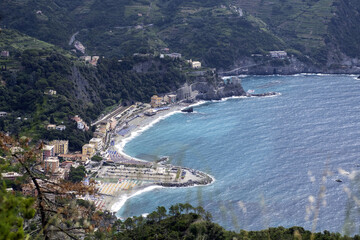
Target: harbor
(118, 176)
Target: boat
(188, 110)
(338, 180)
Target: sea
(286, 160)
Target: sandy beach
(139, 123)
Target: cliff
(210, 89)
(211, 92)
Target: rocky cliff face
(209, 91)
(338, 63)
(205, 91)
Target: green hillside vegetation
(344, 35)
(302, 23)
(183, 221)
(211, 31)
(12, 40)
(216, 32)
(81, 89)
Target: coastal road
(117, 111)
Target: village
(113, 172)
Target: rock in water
(188, 110)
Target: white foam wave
(317, 74)
(197, 104)
(227, 98)
(122, 200)
(120, 146)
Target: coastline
(139, 124)
(143, 123)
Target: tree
(57, 213)
(52, 120)
(96, 158)
(13, 210)
(161, 210)
(129, 224)
(174, 210)
(77, 174)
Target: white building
(97, 142)
(196, 64)
(174, 55)
(278, 54)
(51, 165)
(61, 127)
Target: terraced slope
(219, 33)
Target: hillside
(182, 221)
(35, 67)
(222, 34)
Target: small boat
(188, 110)
(338, 180)
(250, 91)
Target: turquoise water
(269, 156)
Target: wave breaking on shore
(123, 198)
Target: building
(48, 151)
(99, 134)
(194, 64)
(51, 165)
(97, 142)
(50, 92)
(51, 127)
(3, 114)
(171, 98)
(82, 126)
(94, 60)
(86, 58)
(5, 54)
(155, 101)
(61, 127)
(60, 146)
(104, 127)
(149, 112)
(10, 175)
(113, 122)
(71, 157)
(278, 54)
(88, 151)
(80, 123)
(174, 55)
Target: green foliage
(195, 223)
(344, 32)
(96, 158)
(81, 90)
(210, 31)
(13, 210)
(77, 174)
